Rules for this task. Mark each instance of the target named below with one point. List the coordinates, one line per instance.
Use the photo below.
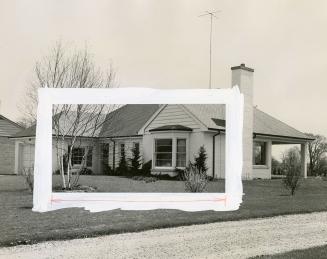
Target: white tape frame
(46, 200)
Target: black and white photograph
(272, 53)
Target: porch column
(304, 151)
(17, 156)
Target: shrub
(180, 174)
(146, 168)
(147, 179)
(122, 168)
(77, 188)
(86, 171)
(29, 177)
(195, 179)
(200, 160)
(292, 167)
(107, 170)
(135, 161)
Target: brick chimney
(242, 76)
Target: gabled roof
(207, 112)
(8, 127)
(86, 128)
(213, 115)
(129, 119)
(28, 132)
(89, 124)
(265, 124)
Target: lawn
(124, 184)
(263, 198)
(319, 252)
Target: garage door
(27, 156)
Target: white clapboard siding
(173, 115)
(220, 156)
(129, 144)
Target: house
(171, 135)
(8, 128)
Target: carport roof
(213, 116)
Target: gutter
(279, 136)
(271, 135)
(213, 153)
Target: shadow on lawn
(26, 207)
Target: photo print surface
(157, 148)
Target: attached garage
(8, 128)
(27, 156)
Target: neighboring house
(8, 128)
(171, 135)
(86, 139)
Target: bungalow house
(171, 135)
(8, 128)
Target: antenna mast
(212, 15)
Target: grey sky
(164, 44)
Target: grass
(263, 198)
(124, 184)
(319, 252)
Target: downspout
(213, 153)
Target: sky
(164, 44)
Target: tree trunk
(62, 169)
(311, 167)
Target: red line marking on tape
(57, 200)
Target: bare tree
(71, 123)
(317, 148)
(63, 68)
(76, 126)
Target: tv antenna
(212, 15)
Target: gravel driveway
(233, 239)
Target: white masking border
(45, 200)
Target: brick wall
(7, 155)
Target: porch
(264, 143)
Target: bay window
(163, 152)
(181, 153)
(170, 152)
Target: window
(77, 155)
(137, 146)
(259, 153)
(122, 149)
(163, 152)
(181, 153)
(89, 157)
(105, 153)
